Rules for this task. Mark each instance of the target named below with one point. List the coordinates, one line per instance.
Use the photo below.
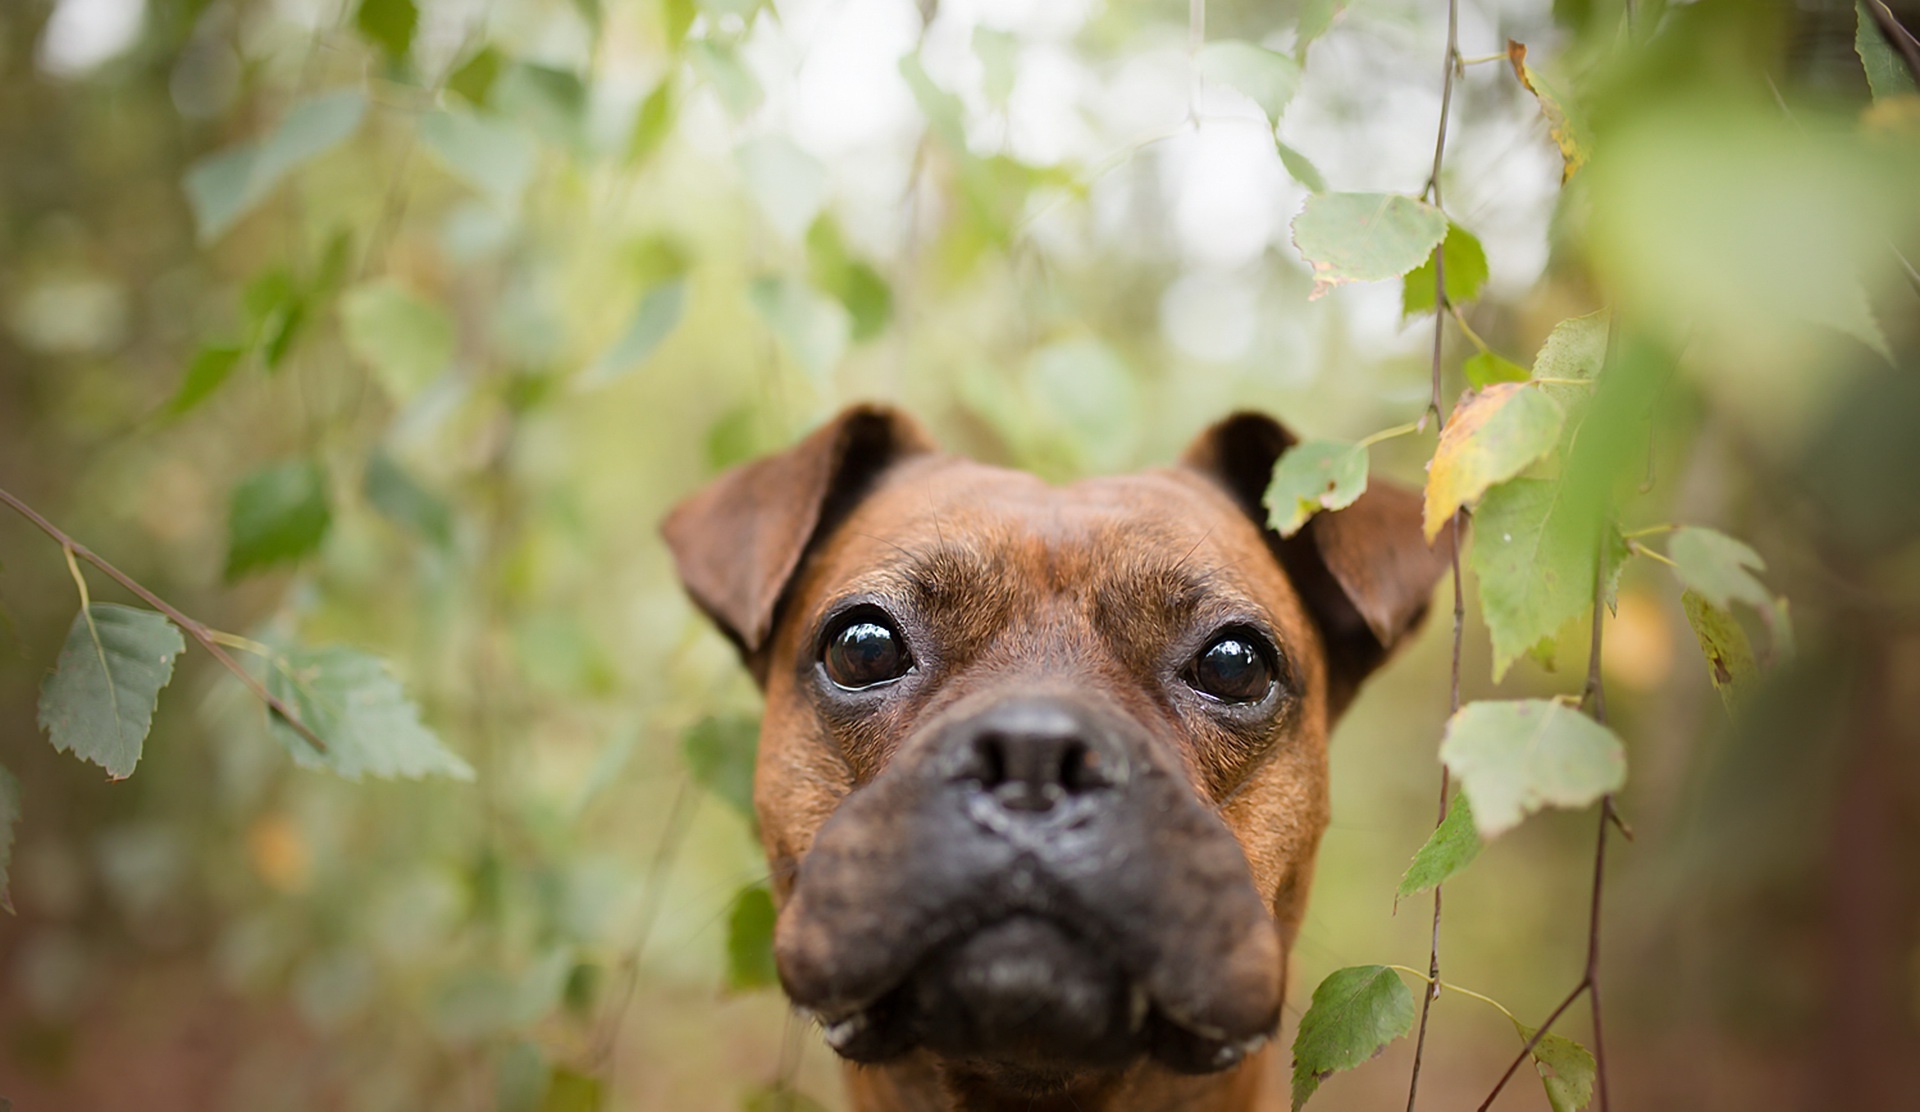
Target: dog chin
(1034, 1003)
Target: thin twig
(209, 639)
(679, 817)
(1440, 308)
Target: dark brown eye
(1232, 669)
(866, 651)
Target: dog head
(1043, 769)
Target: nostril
(1033, 771)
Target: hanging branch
(1594, 698)
(1440, 308)
(209, 639)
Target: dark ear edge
(1365, 573)
(738, 542)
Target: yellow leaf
(1568, 133)
(1493, 435)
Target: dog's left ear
(738, 541)
(1365, 573)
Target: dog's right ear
(739, 540)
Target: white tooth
(841, 1033)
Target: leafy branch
(209, 639)
(1451, 64)
(1595, 699)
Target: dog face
(1043, 769)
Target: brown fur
(1026, 582)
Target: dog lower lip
(1025, 991)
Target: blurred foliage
(381, 334)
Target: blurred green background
(515, 275)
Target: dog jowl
(1043, 769)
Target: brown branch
(194, 629)
(1452, 63)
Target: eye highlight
(865, 651)
(1233, 668)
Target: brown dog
(1043, 769)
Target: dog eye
(864, 652)
(1232, 669)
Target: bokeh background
(518, 274)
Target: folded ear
(738, 541)
(1365, 573)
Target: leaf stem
(1451, 987)
(194, 629)
(1642, 550)
(244, 644)
(1562, 381)
(1650, 531)
(1389, 434)
(1466, 329)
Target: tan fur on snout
(1018, 584)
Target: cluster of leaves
(1535, 456)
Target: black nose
(1032, 754)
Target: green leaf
(401, 500)
(750, 940)
(1719, 568)
(406, 339)
(1452, 847)
(210, 368)
(1724, 643)
(1365, 237)
(276, 313)
(493, 156)
(574, 1092)
(1355, 1013)
(1483, 369)
(1515, 757)
(1300, 168)
(736, 86)
(1311, 476)
(98, 703)
(946, 115)
(1534, 553)
(1316, 16)
(1566, 1068)
(721, 753)
(520, 1078)
(857, 285)
(652, 123)
(653, 321)
(999, 54)
(788, 184)
(1268, 78)
(226, 185)
(473, 80)
(388, 24)
(276, 515)
(1466, 272)
(356, 706)
(1491, 436)
(1569, 132)
(1887, 76)
(1576, 349)
(9, 815)
(812, 328)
